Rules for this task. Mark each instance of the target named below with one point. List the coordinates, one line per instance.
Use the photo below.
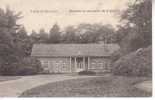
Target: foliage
(15, 46)
(34, 37)
(70, 35)
(22, 43)
(137, 30)
(95, 33)
(136, 33)
(43, 36)
(8, 28)
(138, 63)
(83, 33)
(54, 34)
(116, 55)
(26, 66)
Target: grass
(8, 78)
(110, 86)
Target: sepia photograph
(75, 48)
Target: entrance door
(80, 64)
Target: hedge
(87, 73)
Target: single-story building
(68, 58)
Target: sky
(39, 14)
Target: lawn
(110, 86)
(8, 78)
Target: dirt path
(14, 88)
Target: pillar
(70, 64)
(75, 66)
(84, 63)
(88, 63)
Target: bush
(26, 66)
(116, 55)
(87, 73)
(138, 63)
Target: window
(64, 64)
(56, 64)
(101, 65)
(44, 64)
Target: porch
(78, 64)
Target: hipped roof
(67, 50)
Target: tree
(95, 33)
(15, 45)
(87, 33)
(70, 35)
(54, 34)
(138, 18)
(23, 43)
(8, 28)
(43, 36)
(34, 37)
(106, 34)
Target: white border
(111, 98)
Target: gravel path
(14, 88)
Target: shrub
(44, 72)
(87, 73)
(26, 66)
(116, 55)
(138, 63)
